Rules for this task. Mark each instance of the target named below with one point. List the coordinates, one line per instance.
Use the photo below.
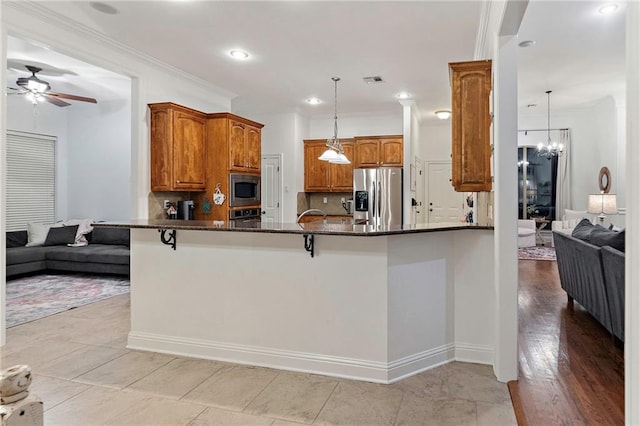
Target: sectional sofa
(591, 268)
(107, 252)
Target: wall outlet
(165, 205)
(324, 200)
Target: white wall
(357, 125)
(281, 134)
(99, 161)
(594, 143)
(435, 141)
(49, 120)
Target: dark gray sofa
(593, 276)
(106, 253)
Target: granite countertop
(325, 227)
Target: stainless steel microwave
(244, 190)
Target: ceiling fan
(38, 90)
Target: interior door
(420, 192)
(271, 189)
(445, 204)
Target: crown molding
(40, 12)
(483, 25)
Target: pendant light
(335, 152)
(550, 149)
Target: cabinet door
(161, 152)
(316, 172)
(188, 151)
(391, 152)
(367, 153)
(253, 149)
(342, 174)
(470, 123)
(237, 157)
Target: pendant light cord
(335, 111)
(549, 118)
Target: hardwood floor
(571, 373)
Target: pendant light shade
(335, 152)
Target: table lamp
(602, 204)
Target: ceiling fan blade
(55, 101)
(16, 91)
(72, 97)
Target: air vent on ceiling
(373, 79)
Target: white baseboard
(474, 353)
(379, 372)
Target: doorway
(444, 203)
(271, 188)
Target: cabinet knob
(177, 181)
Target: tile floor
(85, 375)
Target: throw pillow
(583, 230)
(605, 237)
(61, 236)
(17, 239)
(37, 232)
(574, 214)
(113, 236)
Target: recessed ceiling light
(104, 8)
(443, 114)
(607, 8)
(526, 43)
(314, 101)
(239, 54)
(403, 95)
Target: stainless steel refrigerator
(377, 196)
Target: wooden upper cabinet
(322, 176)
(316, 172)
(177, 151)
(470, 124)
(236, 145)
(341, 175)
(244, 147)
(253, 148)
(378, 151)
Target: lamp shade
(328, 155)
(342, 159)
(602, 204)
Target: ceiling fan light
(37, 86)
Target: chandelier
(550, 149)
(335, 152)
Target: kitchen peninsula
(376, 304)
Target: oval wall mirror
(604, 180)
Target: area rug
(537, 253)
(39, 296)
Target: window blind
(31, 160)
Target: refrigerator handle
(373, 202)
(379, 200)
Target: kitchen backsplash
(156, 201)
(315, 200)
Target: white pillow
(574, 214)
(37, 233)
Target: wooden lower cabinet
(314, 218)
(322, 176)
